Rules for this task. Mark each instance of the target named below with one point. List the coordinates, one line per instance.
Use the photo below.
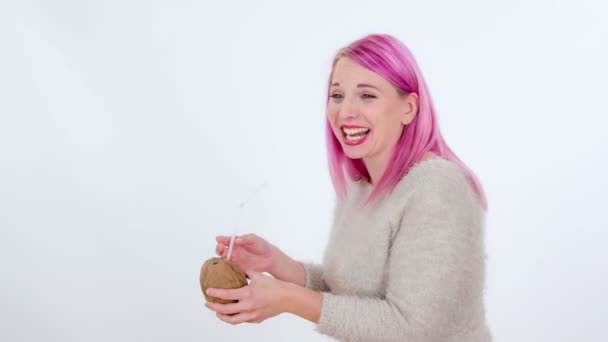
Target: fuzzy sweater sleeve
(435, 273)
(314, 277)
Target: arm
(314, 277)
(253, 253)
(302, 274)
(435, 275)
(287, 269)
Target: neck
(375, 168)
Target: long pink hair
(391, 59)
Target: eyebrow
(360, 85)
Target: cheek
(393, 132)
(387, 128)
(332, 116)
(332, 111)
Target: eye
(336, 96)
(368, 96)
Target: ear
(410, 103)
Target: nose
(347, 110)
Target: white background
(130, 131)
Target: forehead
(348, 72)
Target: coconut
(220, 273)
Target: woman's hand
(250, 252)
(263, 298)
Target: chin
(348, 151)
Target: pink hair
(391, 59)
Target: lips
(354, 135)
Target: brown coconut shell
(220, 273)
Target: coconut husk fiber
(220, 273)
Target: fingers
(223, 239)
(238, 318)
(246, 239)
(239, 240)
(221, 249)
(230, 294)
(249, 242)
(228, 309)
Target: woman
(405, 260)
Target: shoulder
(435, 186)
(436, 197)
(434, 177)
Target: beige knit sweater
(410, 268)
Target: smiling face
(367, 113)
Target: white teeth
(354, 138)
(352, 131)
(355, 134)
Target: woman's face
(367, 113)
